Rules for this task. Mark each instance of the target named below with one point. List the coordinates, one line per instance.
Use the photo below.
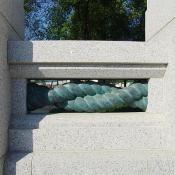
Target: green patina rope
(88, 97)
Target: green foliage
(27, 6)
(137, 15)
(98, 20)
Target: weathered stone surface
(159, 14)
(4, 108)
(108, 145)
(7, 32)
(85, 120)
(18, 164)
(102, 163)
(92, 163)
(89, 132)
(3, 140)
(13, 12)
(19, 97)
(67, 139)
(1, 164)
(84, 52)
(101, 70)
(11, 28)
(156, 95)
(3, 55)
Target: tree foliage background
(85, 19)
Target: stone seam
(8, 23)
(160, 30)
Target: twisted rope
(89, 97)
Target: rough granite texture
(18, 164)
(87, 138)
(103, 163)
(85, 52)
(93, 144)
(11, 28)
(100, 70)
(18, 99)
(84, 119)
(1, 164)
(159, 14)
(93, 163)
(84, 132)
(12, 11)
(155, 95)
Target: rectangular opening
(85, 20)
(86, 95)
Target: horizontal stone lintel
(85, 52)
(108, 71)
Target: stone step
(43, 121)
(86, 132)
(92, 163)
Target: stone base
(92, 163)
(83, 144)
(84, 132)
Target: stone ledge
(88, 138)
(114, 71)
(84, 119)
(143, 162)
(85, 52)
(71, 132)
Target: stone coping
(22, 52)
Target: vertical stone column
(155, 95)
(163, 38)
(11, 28)
(18, 97)
(167, 40)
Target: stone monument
(11, 28)
(88, 143)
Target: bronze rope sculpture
(88, 97)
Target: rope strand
(88, 97)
